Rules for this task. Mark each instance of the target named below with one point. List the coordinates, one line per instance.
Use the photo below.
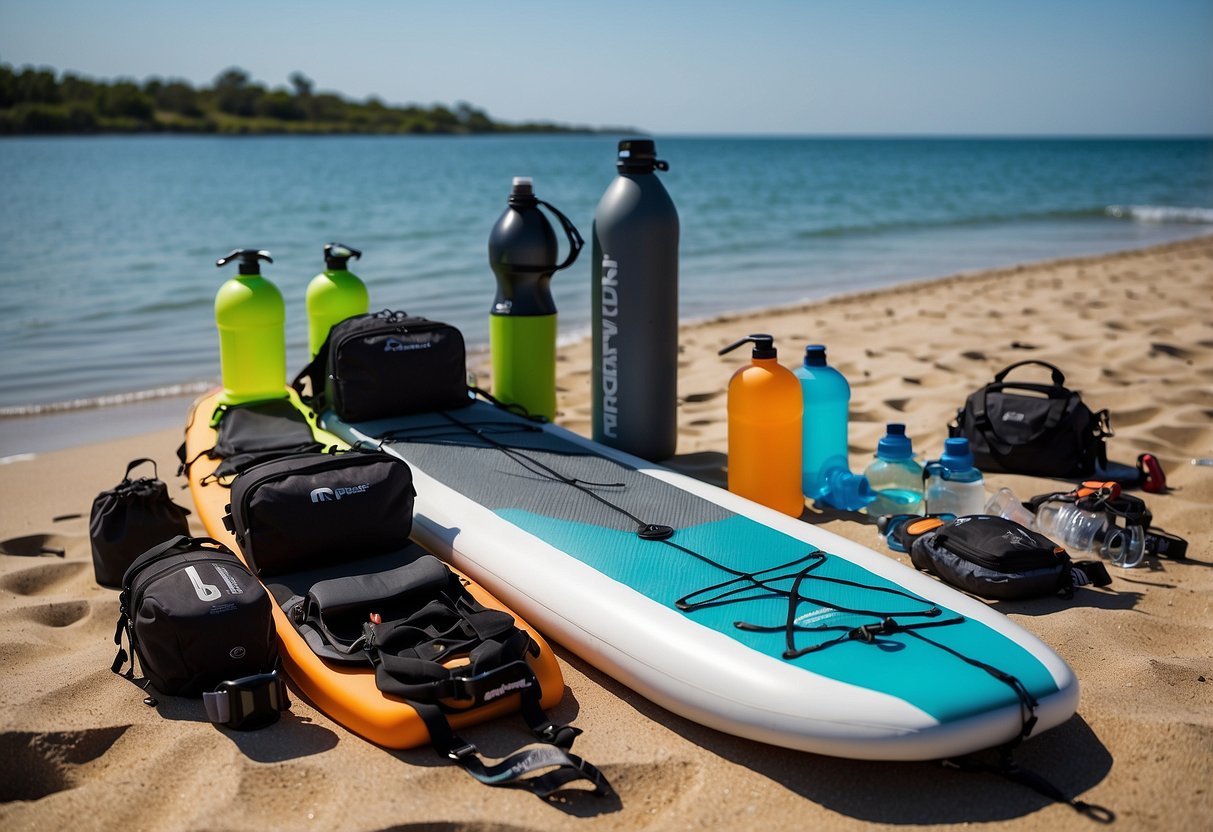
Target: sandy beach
(1133, 331)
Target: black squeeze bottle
(634, 309)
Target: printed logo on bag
(325, 495)
(233, 584)
(395, 345)
(1013, 416)
(237, 652)
(204, 591)
(1016, 539)
(521, 684)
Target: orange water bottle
(765, 414)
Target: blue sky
(1105, 67)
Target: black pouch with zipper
(386, 364)
(310, 510)
(996, 558)
(195, 617)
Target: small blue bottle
(954, 485)
(894, 475)
(825, 473)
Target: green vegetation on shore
(34, 101)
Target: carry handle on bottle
(570, 231)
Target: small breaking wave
(192, 388)
(1160, 213)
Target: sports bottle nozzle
(337, 256)
(764, 346)
(249, 259)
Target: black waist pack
(386, 364)
(996, 558)
(129, 519)
(310, 510)
(195, 617)
(1041, 430)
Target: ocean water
(110, 243)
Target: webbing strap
(518, 770)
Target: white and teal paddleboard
(742, 619)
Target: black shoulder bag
(1041, 430)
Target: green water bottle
(523, 253)
(252, 339)
(334, 295)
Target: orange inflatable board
(348, 695)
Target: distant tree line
(34, 100)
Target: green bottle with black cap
(334, 295)
(251, 318)
(523, 254)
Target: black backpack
(252, 433)
(386, 364)
(201, 625)
(1041, 430)
(129, 519)
(313, 509)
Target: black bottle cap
(764, 346)
(639, 156)
(523, 191)
(250, 259)
(815, 355)
(337, 256)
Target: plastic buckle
(249, 702)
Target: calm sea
(109, 243)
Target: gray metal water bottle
(634, 308)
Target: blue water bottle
(826, 476)
(954, 485)
(894, 475)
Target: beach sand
(1132, 331)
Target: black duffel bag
(1042, 430)
(386, 364)
(310, 510)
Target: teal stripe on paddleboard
(900, 665)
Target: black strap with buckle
(247, 703)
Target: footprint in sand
(1173, 351)
(1185, 436)
(56, 614)
(1136, 416)
(697, 398)
(896, 404)
(43, 578)
(39, 765)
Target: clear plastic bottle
(765, 413)
(954, 485)
(894, 475)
